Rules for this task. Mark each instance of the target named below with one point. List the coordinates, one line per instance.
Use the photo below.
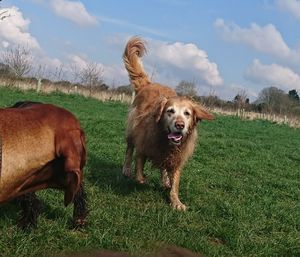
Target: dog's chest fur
(172, 157)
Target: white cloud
(78, 61)
(74, 11)
(165, 63)
(273, 75)
(5, 44)
(291, 6)
(115, 75)
(14, 30)
(266, 39)
(51, 63)
(180, 61)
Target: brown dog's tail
(134, 50)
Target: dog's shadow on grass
(105, 174)
(9, 211)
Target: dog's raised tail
(134, 50)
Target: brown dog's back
(33, 135)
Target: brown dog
(41, 146)
(161, 126)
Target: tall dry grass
(275, 118)
(47, 86)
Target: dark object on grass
(171, 251)
(24, 104)
(41, 146)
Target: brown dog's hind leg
(70, 148)
(80, 208)
(139, 166)
(31, 209)
(128, 160)
(74, 191)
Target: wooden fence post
(39, 85)
(132, 96)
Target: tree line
(17, 62)
(271, 100)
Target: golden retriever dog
(161, 126)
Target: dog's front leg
(175, 202)
(165, 179)
(139, 165)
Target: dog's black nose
(179, 125)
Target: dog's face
(178, 116)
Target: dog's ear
(160, 105)
(201, 113)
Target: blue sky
(224, 46)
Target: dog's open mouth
(175, 137)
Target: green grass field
(242, 189)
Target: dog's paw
(141, 180)
(178, 206)
(79, 223)
(126, 172)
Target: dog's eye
(171, 111)
(186, 113)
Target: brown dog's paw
(141, 180)
(126, 172)
(79, 223)
(178, 206)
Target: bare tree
(293, 95)
(187, 88)
(212, 99)
(91, 75)
(19, 59)
(58, 74)
(5, 70)
(40, 72)
(240, 100)
(274, 100)
(75, 72)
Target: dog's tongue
(175, 136)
